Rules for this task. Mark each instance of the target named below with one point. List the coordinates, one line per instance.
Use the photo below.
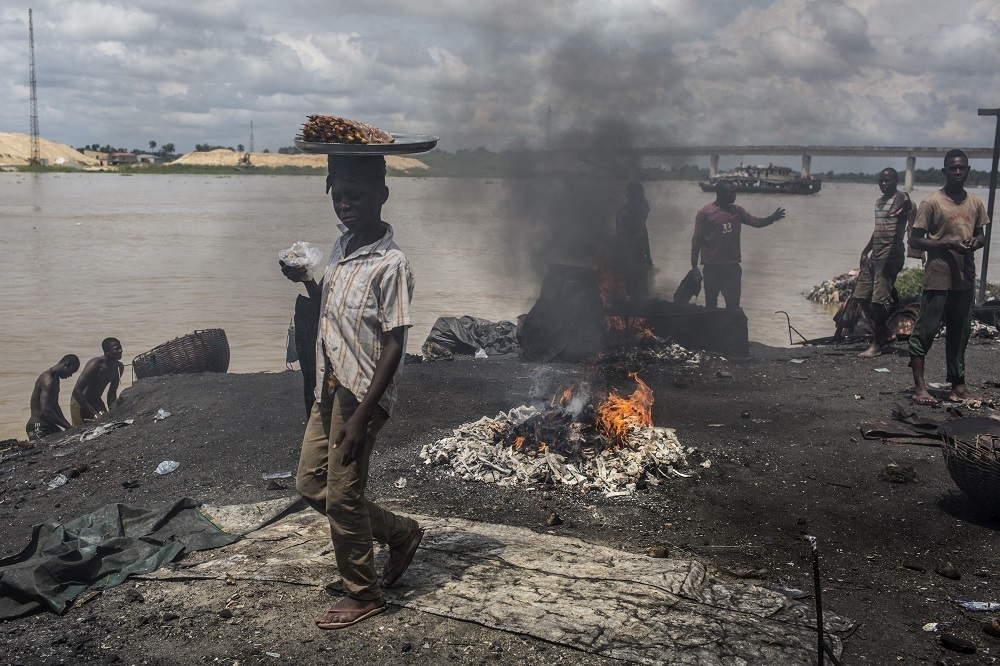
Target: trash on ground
(797, 360)
(400, 482)
(978, 606)
(161, 414)
(480, 353)
(790, 592)
(658, 550)
(553, 519)
(939, 385)
(167, 466)
(58, 482)
(277, 475)
(881, 369)
(930, 626)
(104, 428)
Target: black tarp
(98, 551)
(467, 335)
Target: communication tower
(35, 151)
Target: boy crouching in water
(364, 313)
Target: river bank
(781, 430)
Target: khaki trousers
(338, 492)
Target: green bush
(910, 282)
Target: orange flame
(617, 413)
(612, 287)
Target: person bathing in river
(950, 227)
(46, 415)
(717, 240)
(364, 302)
(883, 258)
(102, 372)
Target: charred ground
(787, 460)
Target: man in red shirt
(717, 240)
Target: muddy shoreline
(787, 460)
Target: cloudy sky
(498, 73)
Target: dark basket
(201, 351)
(974, 466)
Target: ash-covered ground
(787, 460)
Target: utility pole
(989, 207)
(35, 150)
(251, 136)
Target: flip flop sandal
(323, 624)
(391, 573)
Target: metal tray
(405, 144)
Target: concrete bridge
(910, 153)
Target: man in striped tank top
(883, 258)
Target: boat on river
(770, 179)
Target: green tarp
(98, 551)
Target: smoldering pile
(650, 349)
(835, 290)
(613, 448)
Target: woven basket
(974, 464)
(201, 351)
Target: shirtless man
(99, 373)
(46, 416)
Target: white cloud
(793, 71)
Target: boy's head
(357, 189)
(67, 365)
(888, 180)
(956, 167)
(112, 347)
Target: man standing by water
(883, 258)
(717, 240)
(364, 313)
(950, 228)
(636, 264)
(46, 415)
(102, 372)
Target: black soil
(787, 460)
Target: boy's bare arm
(113, 388)
(352, 435)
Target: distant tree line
(166, 150)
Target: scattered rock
(744, 415)
(658, 550)
(992, 628)
(134, 596)
(894, 473)
(957, 644)
(129, 485)
(948, 570)
(723, 374)
(274, 485)
(553, 519)
(169, 617)
(407, 647)
(914, 566)
(225, 613)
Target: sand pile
(15, 150)
(223, 157)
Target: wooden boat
(770, 179)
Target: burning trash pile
(612, 447)
(632, 342)
(836, 290)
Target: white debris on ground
(981, 330)
(651, 455)
(661, 351)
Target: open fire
(608, 444)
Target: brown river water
(150, 258)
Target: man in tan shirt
(950, 228)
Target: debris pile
(981, 330)
(630, 341)
(835, 290)
(612, 448)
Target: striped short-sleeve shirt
(890, 226)
(364, 296)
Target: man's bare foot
(871, 352)
(922, 397)
(960, 393)
(349, 611)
